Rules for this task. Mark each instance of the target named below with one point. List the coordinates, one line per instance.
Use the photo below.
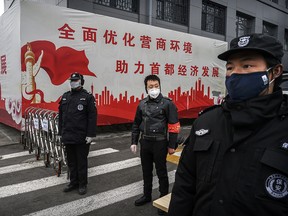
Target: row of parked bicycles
(40, 136)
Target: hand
(171, 151)
(88, 140)
(133, 148)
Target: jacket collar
(250, 116)
(75, 91)
(256, 110)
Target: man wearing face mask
(237, 156)
(77, 128)
(155, 117)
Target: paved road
(27, 187)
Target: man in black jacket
(236, 160)
(77, 128)
(155, 117)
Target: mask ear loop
(268, 71)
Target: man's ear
(277, 70)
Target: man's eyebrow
(241, 59)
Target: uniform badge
(284, 146)
(277, 186)
(201, 132)
(80, 107)
(243, 41)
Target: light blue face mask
(75, 84)
(242, 87)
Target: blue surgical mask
(242, 87)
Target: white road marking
(91, 203)
(18, 154)
(26, 153)
(20, 167)
(35, 164)
(51, 181)
(102, 152)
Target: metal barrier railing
(41, 137)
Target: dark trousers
(78, 163)
(154, 151)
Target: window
(175, 11)
(269, 29)
(243, 24)
(126, 5)
(213, 17)
(286, 40)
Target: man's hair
(151, 77)
(271, 63)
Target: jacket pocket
(206, 151)
(272, 180)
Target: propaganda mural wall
(41, 45)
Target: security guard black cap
(265, 44)
(75, 76)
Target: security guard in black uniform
(77, 128)
(155, 117)
(236, 162)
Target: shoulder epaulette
(66, 93)
(208, 109)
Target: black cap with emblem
(264, 44)
(77, 76)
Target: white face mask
(75, 84)
(154, 92)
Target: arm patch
(174, 128)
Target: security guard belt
(154, 138)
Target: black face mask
(242, 87)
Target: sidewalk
(9, 135)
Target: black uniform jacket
(77, 117)
(236, 163)
(152, 118)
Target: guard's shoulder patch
(65, 94)
(208, 109)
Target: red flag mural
(58, 63)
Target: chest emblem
(284, 146)
(201, 132)
(80, 107)
(277, 186)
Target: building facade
(218, 19)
